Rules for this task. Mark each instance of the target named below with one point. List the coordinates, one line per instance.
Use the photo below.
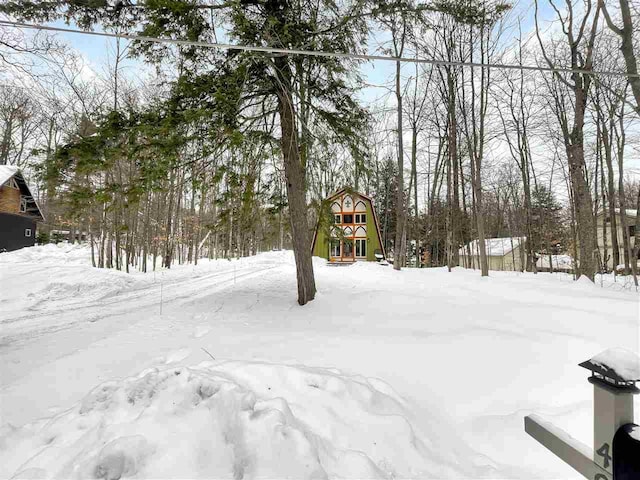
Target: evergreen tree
(241, 93)
(549, 232)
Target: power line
(315, 53)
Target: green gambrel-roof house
(353, 234)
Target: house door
(347, 249)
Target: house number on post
(618, 454)
(603, 451)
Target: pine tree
(241, 93)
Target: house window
(347, 219)
(27, 232)
(361, 218)
(23, 204)
(11, 183)
(632, 230)
(361, 248)
(335, 248)
(337, 219)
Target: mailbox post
(613, 376)
(612, 408)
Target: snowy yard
(419, 373)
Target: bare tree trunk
(477, 150)
(399, 245)
(626, 47)
(413, 187)
(449, 220)
(603, 196)
(168, 250)
(574, 137)
(606, 137)
(296, 188)
(198, 243)
(636, 239)
(629, 265)
(415, 200)
(145, 232)
(109, 249)
(454, 203)
(93, 250)
(191, 247)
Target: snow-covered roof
(349, 190)
(630, 212)
(9, 171)
(495, 247)
(557, 261)
(6, 172)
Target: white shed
(505, 253)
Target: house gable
(15, 196)
(351, 204)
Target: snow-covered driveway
(456, 359)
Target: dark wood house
(19, 211)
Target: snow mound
(57, 276)
(66, 253)
(622, 361)
(230, 420)
(85, 284)
(201, 330)
(583, 282)
(60, 286)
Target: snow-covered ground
(214, 371)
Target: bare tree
(480, 33)
(580, 39)
(18, 124)
(397, 23)
(416, 110)
(626, 46)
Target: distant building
(602, 219)
(56, 236)
(555, 263)
(354, 233)
(19, 211)
(502, 254)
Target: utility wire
(315, 53)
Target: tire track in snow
(190, 288)
(119, 297)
